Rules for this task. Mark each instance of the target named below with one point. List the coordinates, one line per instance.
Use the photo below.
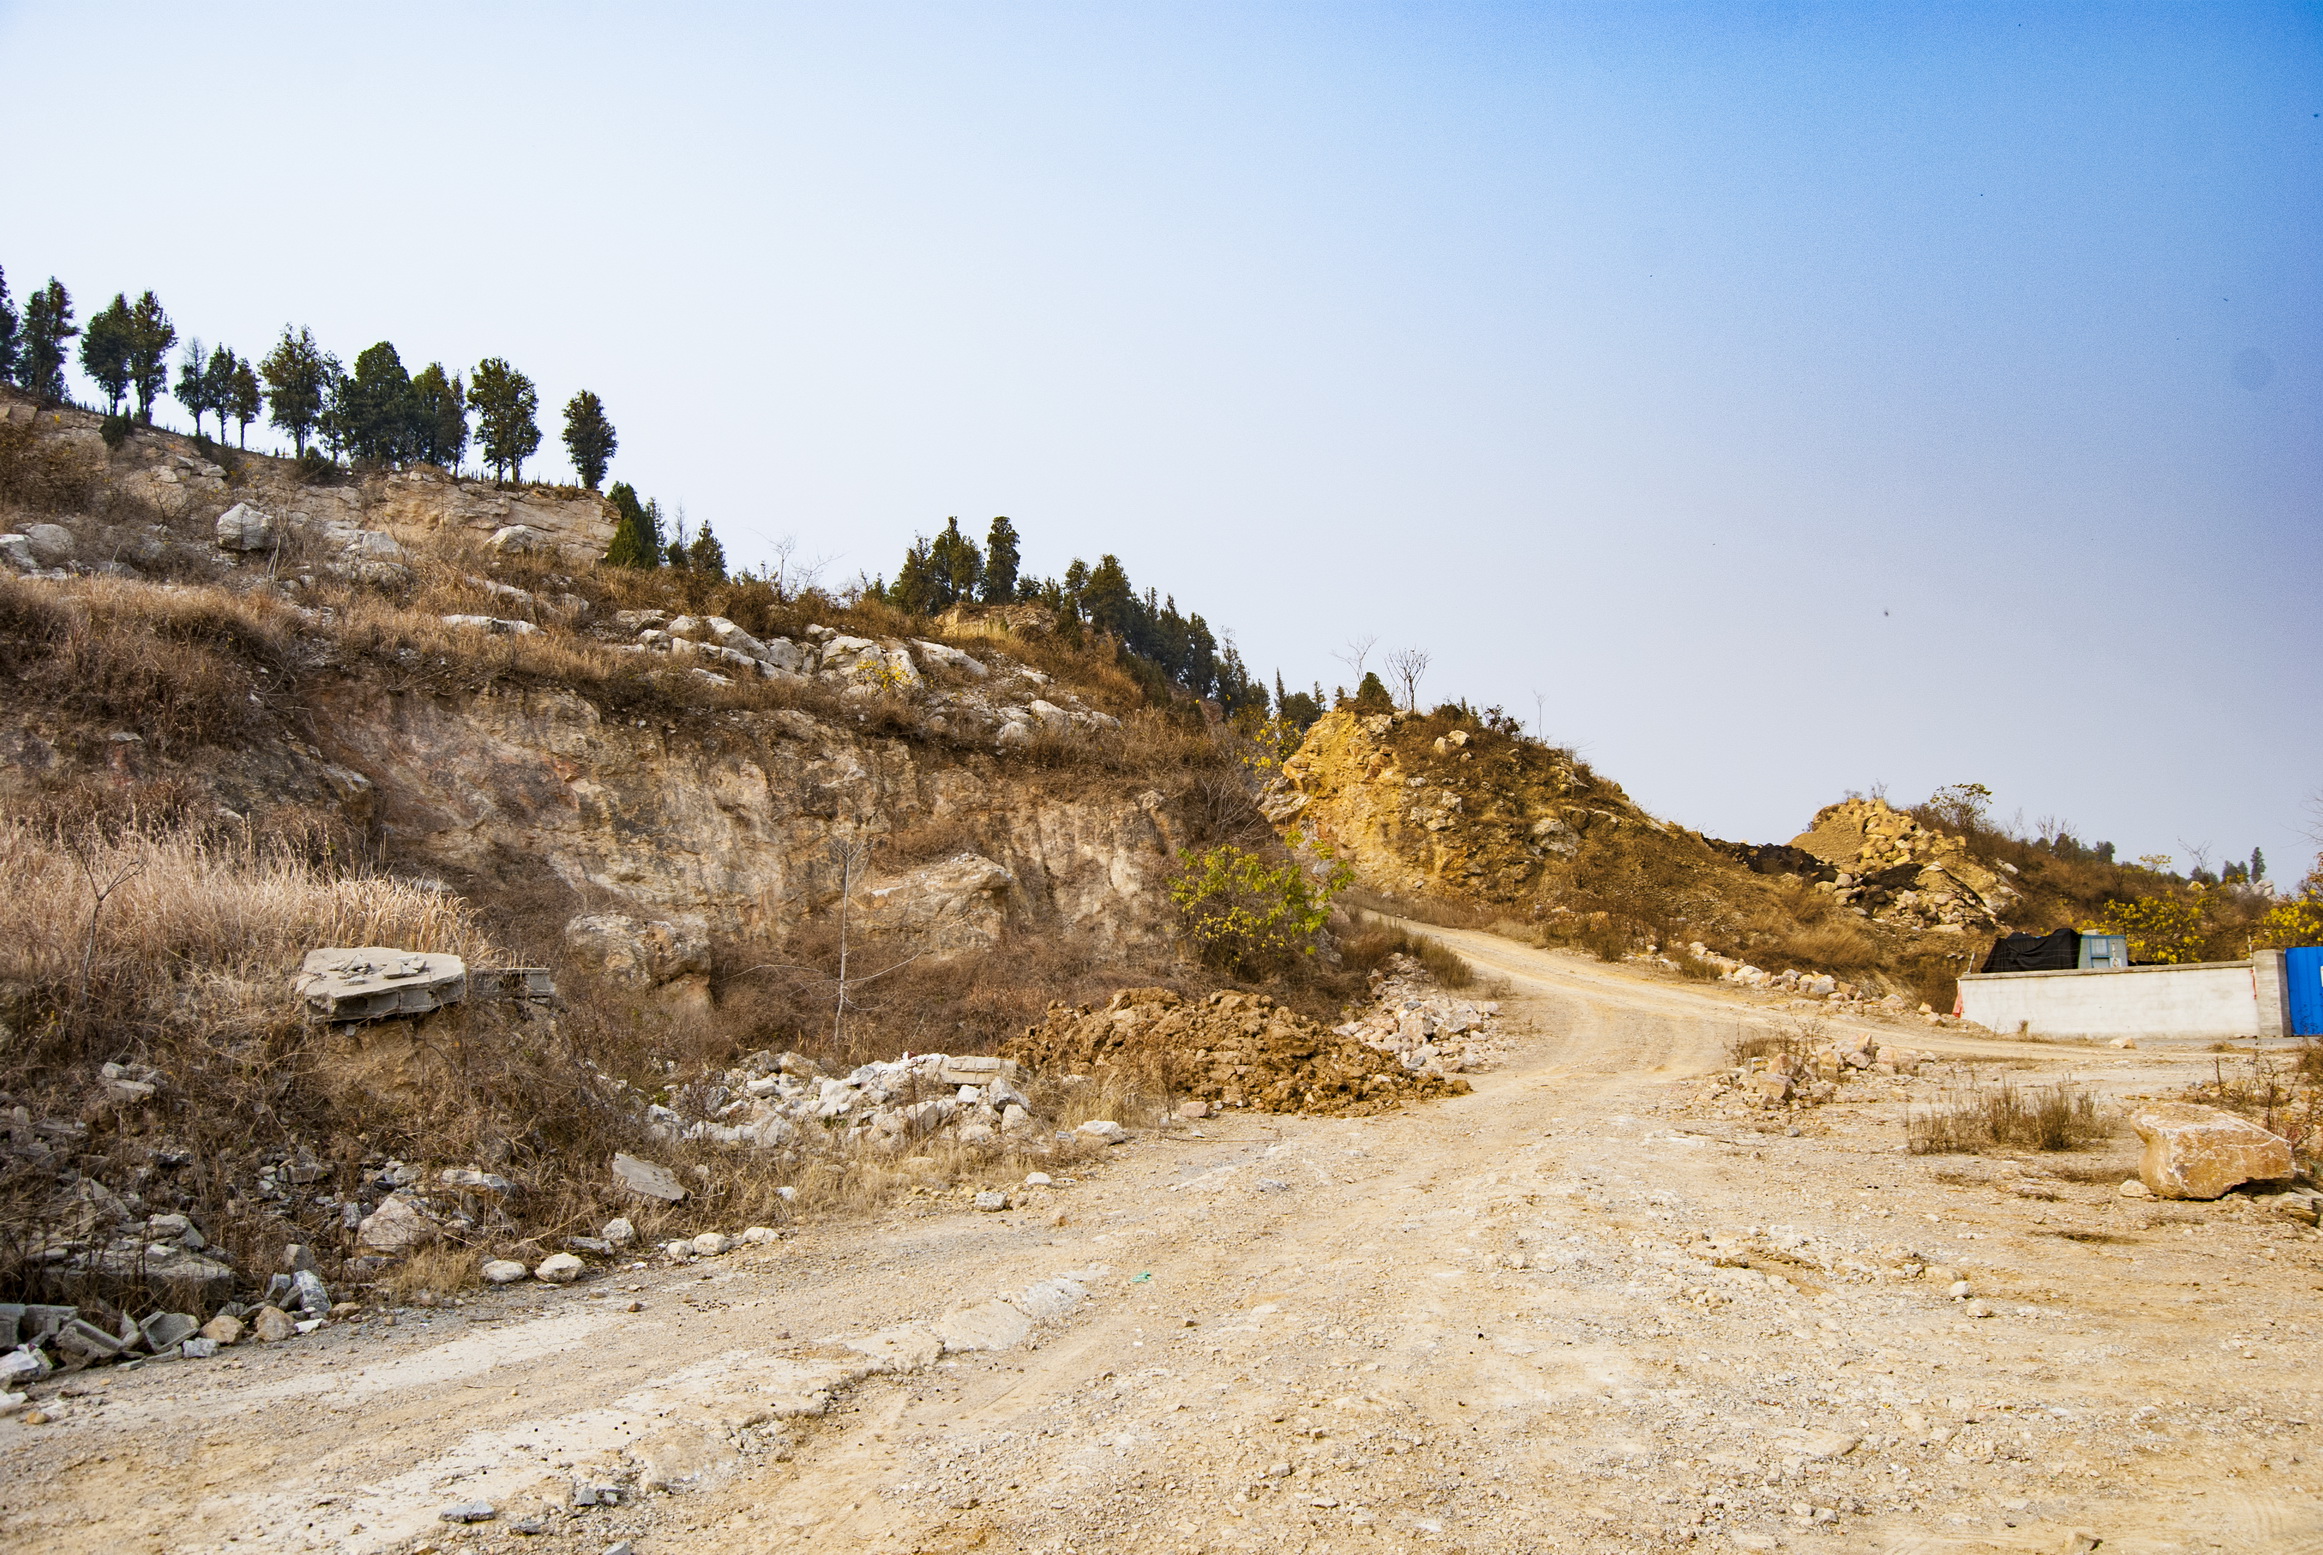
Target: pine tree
(240, 399)
(956, 564)
(1001, 560)
(505, 403)
(151, 336)
(193, 386)
(299, 375)
(7, 333)
(706, 556)
(373, 412)
(2258, 864)
(589, 437)
(105, 350)
(439, 417)
(40, 344)
(1107, 601)
(636, 531)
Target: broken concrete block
(164, 1329)
(2195, 1152)
(373, 982)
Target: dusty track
(1565, 1312)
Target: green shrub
(1250, 914)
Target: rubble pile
(1882, 864)
(1228, 1050)
(1428, 1030)
(785, 1101)
(1001, 701)
(1812, 1074)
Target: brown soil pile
(1231, 1050)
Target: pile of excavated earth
(1236, 1050)
(1428, 1030)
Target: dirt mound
(1231, 1050)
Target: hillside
(1445, 808)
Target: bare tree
(1357, 650)
(1408, 665)
(1540, 715)
(851, 855)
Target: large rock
(396, 1226)
(2200, 1152)
(648, 1179)
(375, 982)
(641, 952)
(54, 544)
(244, 528)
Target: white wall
(2209, 999)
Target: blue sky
(1794, 397)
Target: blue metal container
(2303, 968)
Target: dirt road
(1579, 1309)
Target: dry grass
(42, 474)
(1367, 949)
(1973, 1119)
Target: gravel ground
(1590, 1307)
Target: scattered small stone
(504, 1271)
(198, 1348)
(712, 1243)
(2134, 1189)
(559, 1269)
(1104, 1130)
(991, 1199)
(761, 1236)
(469, 1512)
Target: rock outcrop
(2195, 1152)
(1888, 866)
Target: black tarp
(2058, 952)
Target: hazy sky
(1796, 397)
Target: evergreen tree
(1076, 582)
(40, 345)
(636, 530)
(299, 375)
(193, 386)
(957, 565)
(373, 413)
(439, 417)
(239, 398)
(7, 333)
(589, 437)
(151, 336)
(1107, 601)
(2258, 864)
(105, 350)
(1001, 559)
(916, 584)
(706, 555)
(505, 403)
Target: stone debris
(1230, 1049)
(243, 528)
(398, 1225)
(374, 982)
(1885, 865)
(503, 1271)
(781, 1101)
(497, 625)
(1428, 1030)
(2194, 1152)
(469, 1512)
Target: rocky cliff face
(1888, 866)
(1417, 806)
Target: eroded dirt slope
(1571, 1310)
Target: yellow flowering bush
(1249, 913)
(2160, 928)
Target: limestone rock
(503, 1271)
(272, 1325)
(642, 952)
(396, 1226)
(2197, 1152)
(244, 528)
(1104, 1131)
(559, 1269)
(53, 544)
(953, 906)
(647, 1179)
(222, 1329)
(519, 540)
